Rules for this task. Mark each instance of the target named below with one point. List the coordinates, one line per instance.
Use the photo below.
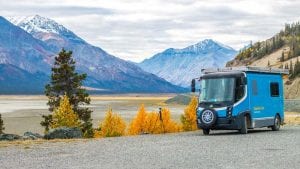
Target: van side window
(254, 88)
(274, 88)
(239, 89)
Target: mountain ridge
(104, 71)
(180, 66)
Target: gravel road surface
(222, 149)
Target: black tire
(244, 129)
(206, 131)
(277, 122)
(208, 124)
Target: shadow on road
(233, 132)
(230, 132)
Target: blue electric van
(240, 98)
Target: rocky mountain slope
(32, 44)
(14, 80)
(180, 66)
(280, 51)
(22, 50)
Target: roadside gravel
(222, 149)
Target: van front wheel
(276, 126)
(244, 129)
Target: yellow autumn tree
(112, 126)
(64, 116)
(156, 124)
(188, 119)
(168, 125)
(152, 123)
(137, 125)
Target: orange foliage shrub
(152, 123)
(168, 125)
(188, 119)
(112, 126)
(137, 125)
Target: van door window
(239, 89)
(274, 88)
(254, 88)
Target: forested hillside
(280, 51)
(288, 39)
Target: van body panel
(262, 100)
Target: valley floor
(23, 113)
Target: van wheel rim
(207, 116)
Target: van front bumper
(223, 123)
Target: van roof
(222, 74)
(246, 69)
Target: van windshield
(217, 90)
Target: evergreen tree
(65, 81)
(296, 71)
(1, 125)
(282, 57)
(291, 69)
(286, 66)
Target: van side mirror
(193, 86)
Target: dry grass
(292, 118)
(27, 144)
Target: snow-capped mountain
(19, 48)
(37, 24)
(40, 39)
(180, 66)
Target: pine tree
(64, 80)
(282, 57)
(1, 125)
(269, 63)
(188, 119)
(64, 115)
(291, 69)
(286, 66)
(296, 71)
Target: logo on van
(258, 108)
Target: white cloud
(136, 29)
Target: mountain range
(28, 46)
(180, 66)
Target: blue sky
(137, 29)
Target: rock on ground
(64, 133)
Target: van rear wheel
(206, 131)
(244, 129)
(276, 125)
